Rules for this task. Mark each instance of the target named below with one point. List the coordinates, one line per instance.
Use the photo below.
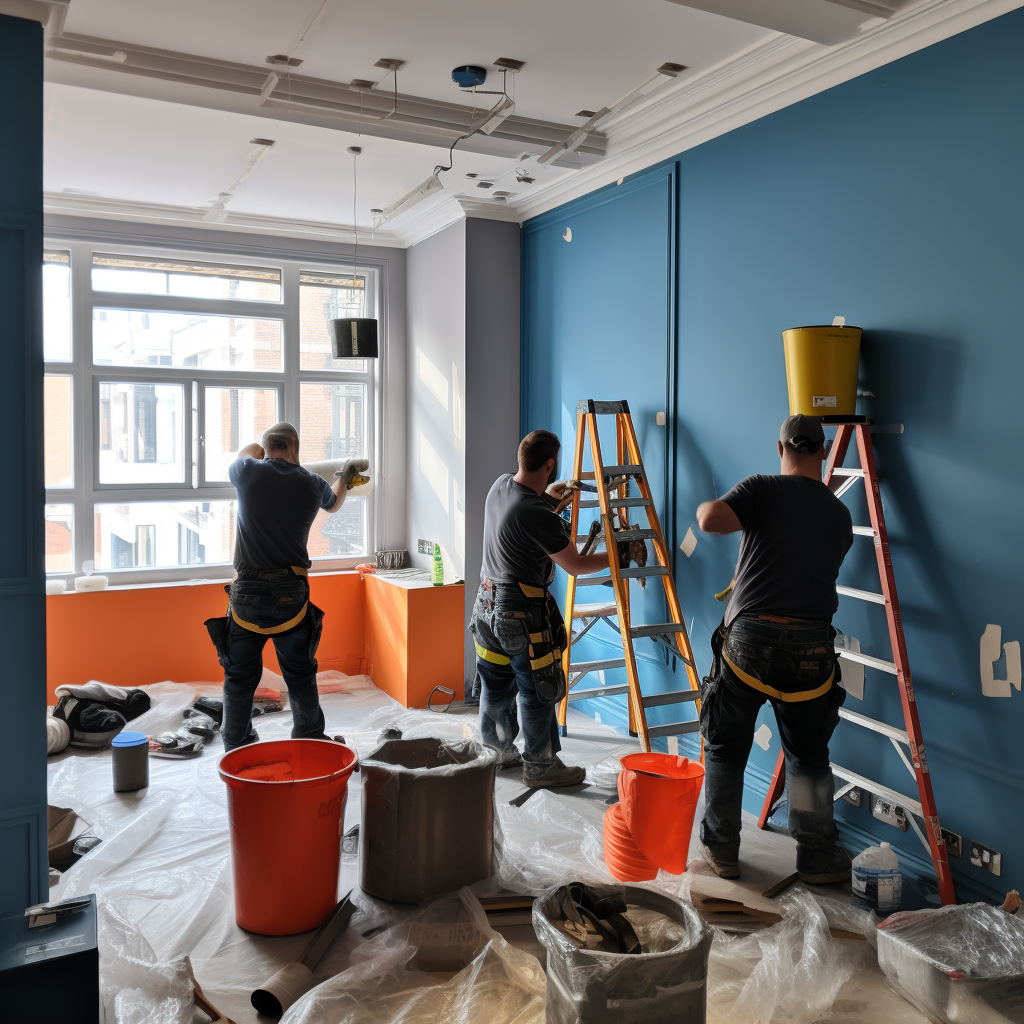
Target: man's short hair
(280, 437)
(536, 448)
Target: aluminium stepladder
(840, 479)
(612, 485)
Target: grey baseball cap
(802, 433)
(279, 435)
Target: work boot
(725, 862)
(508, 760)
(823, 867)
(552, 773)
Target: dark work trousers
(503, 621)
(728, 716)
(266, 597)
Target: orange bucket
(658, 794)
(624, 860)
(286, 808)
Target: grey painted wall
(436, 353)
(492, 379)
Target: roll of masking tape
(84, 583)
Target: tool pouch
(218, 630)
(547, 641)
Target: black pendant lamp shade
(354, 338)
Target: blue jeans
(728, 716)
(263, 597)
(503, 621)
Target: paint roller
(359, 485)
(294, 980)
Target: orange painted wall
(139, 636)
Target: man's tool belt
(510, 619)
(269, 601)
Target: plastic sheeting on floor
(162, 876)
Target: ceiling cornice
(767, 77)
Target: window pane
(57, 430)
(60, 533)
(332, 421)
(143, 276)
(324, 297)
(342, 534)
(235, 417)
(128, 337)
(141, 433)
(164, 534)
(56, 306)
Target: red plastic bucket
(286, 808)
(658, 794)
(624, 860)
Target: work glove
(353, 472)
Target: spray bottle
(437, 571)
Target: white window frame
(88, 492)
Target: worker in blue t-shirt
(277, 503)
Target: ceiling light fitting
(410, 199)
(469, 76)
(510, 65)
(283, 60)
(216, 212)
(389, 63)
(577, 138)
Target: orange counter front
(402, 636)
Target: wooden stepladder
(839, 480)
(612, 498)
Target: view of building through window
(166, 397)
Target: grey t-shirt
(796, 533)
(277, 503)
(520, 532)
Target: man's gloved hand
(353, 472)
(559, 489)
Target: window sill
(71, 592)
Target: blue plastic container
(131, 761)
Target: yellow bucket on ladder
(821, 369)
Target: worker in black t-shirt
(519, 631)
(776, 644)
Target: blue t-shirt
(277, 503)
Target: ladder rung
(588, 405)
(656, 629)
(599, 691)
(906, 802)
(675, 729)
(598, 666)
(861, 595)
(875, 726)
(675, 697)
(614, 471)
(600, 610)
(859, 531)
(618, 503)
(865, 659)
(843, 471)
(621, 535)
(627, 574)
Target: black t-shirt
(796, 533)
(520, 532)
(277, 503)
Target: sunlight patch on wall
(433, 468)
(433, 379)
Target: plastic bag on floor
(441, 964)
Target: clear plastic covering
(958, 964)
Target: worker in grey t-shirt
(776, 644)
(517, 626)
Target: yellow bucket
(821, 370)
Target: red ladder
(839, 480)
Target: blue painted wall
(896, 201)
(23, 879)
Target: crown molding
(164, 213)
(769, 76)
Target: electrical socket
(983, 857)
(853, 797)
(425, 547)
(954, 843)
(891, 814)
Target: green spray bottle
(437, 572)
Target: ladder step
(614, 471)
(675, 697)
(675, 729)
(859, 531)
(875, 726)
(594, 611)
(627, 574)
(618, 503)
(894, 797)
(598, 666)
(621, 535)
(861, 595)
(588, 405)
(844, 471)
(657, 629)
(865, 659)
(599, 691)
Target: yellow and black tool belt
(257, 600)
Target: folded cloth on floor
(58, 735)
(92, 725)
(175, 747)
(127, 701)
